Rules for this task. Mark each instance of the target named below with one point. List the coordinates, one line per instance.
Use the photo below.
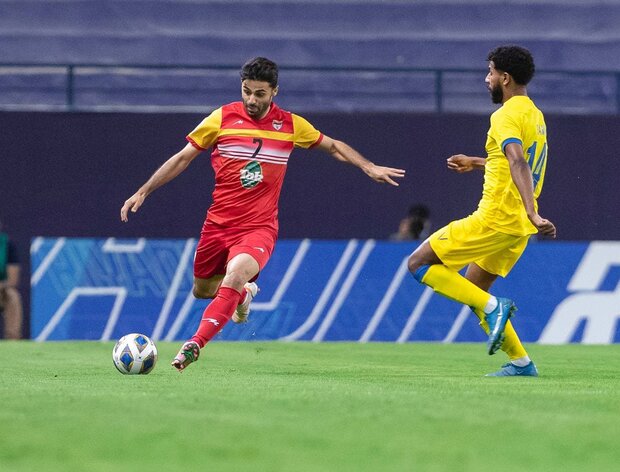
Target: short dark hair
(515, 60)
(262, 69)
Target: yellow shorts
(470, 240)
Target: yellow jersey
(517, 121)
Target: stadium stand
(333, 52)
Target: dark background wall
(67, 174)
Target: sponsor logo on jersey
(251, 175)
(277, 125)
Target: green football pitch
(309, 407)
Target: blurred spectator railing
(135, 87)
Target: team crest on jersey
(277, 125)
(251, 175)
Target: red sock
(217, 314)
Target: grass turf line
(309, 407)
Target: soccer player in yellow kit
(491, 240)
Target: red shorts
(219, 244)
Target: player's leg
(250, 290)
(428, 269)
(248, 253)
(204, 288)
(239, 271)
(241, 254)
(434, 263)
(483, 279)
(512, 345)
(209, 269)
(259, 244)
(207, 288)
(483, 273)
(215, 261)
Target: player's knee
(236, 280)
(414, 263)
(417, 266)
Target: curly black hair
(262, 69)
(515, 60)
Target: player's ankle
(491, 305)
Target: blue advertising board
(315, 290)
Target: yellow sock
(512, 344)
(453, 285)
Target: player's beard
(256, 111)
(497, 94)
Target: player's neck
(515, 92)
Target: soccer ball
(134, 354)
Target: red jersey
(249, 158)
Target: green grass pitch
(309, 407)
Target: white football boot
(243, 310)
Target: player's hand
(385, 174)
(544, 227)
(461, 163)
(132, 203)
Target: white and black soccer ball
(134, 354)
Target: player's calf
(497, 320)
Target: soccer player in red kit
(251, 142)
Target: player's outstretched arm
(461, 163)
(345, 153)
(522, 177)
(168, 171)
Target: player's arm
(461, 163)
(168, 171)
(345, 153)
(522, 177)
